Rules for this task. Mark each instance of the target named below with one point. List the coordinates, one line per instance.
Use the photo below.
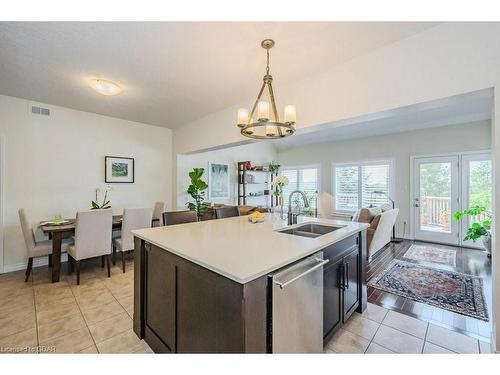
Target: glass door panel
(436, 198)
(476, 189)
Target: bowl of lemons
(256, 217)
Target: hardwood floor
(469, 261)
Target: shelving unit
(269, 200)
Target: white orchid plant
(279, 182)
(105, 202)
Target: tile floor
(379, 330)
(93, 317)
(96, 317)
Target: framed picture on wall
(119, 169)
(218, 181)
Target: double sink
(311, 230)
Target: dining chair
(35, 249)
(223, 212)
(133, 218)
(157, 214)
(179, 217)
(92, 238)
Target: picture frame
(119, 170)
(219, 186)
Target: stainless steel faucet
(292, 218)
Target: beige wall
(260, 153)
(52, 165)
(396, 147)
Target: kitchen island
(205, 287)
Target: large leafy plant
(197, 191)
(477, 229)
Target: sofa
(381, 220)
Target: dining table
(58, 231)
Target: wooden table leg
(56, 256)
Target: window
(305, 179)
(364, 184)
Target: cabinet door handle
(346, 275)
(341, 277)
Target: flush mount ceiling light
(105, 87)
(266, 126)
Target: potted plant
(273, 167)
(478, 229)
(197, 191)
(105, 202)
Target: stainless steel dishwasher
(296, 322)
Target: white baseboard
(37, 262)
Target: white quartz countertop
(240, 250)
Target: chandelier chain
(267, 68)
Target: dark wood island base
(181, 307)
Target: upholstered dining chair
(179, 217)
(157, 213)
(222, 212)
(92, 238)
(35, 249)
(133, 218)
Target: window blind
(306, 180)
(356, 184)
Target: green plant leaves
(196, 191)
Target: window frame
(305, 166)
(359, 165)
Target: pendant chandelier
(267, 126)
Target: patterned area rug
(432, 254)
(448, 290)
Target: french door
(436, 198)
(445, 184)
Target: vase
(487, 244)
(281, 203)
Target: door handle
(341, 277)
(346, 275)
(321, 263)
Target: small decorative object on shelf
(478, 229)
(249, 179)
(248, 166)
(105, 202)
(274, 167)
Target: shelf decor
(267, 124)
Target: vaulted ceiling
(174, 72)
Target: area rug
(448, 290)
(432, 254)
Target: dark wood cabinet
(180, 307)
(332, 296)
(343, 284)
(351, 281)
(160, 297)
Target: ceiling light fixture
(267, 126)
(105, 87)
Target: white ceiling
(173, 72)
(459, 109)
